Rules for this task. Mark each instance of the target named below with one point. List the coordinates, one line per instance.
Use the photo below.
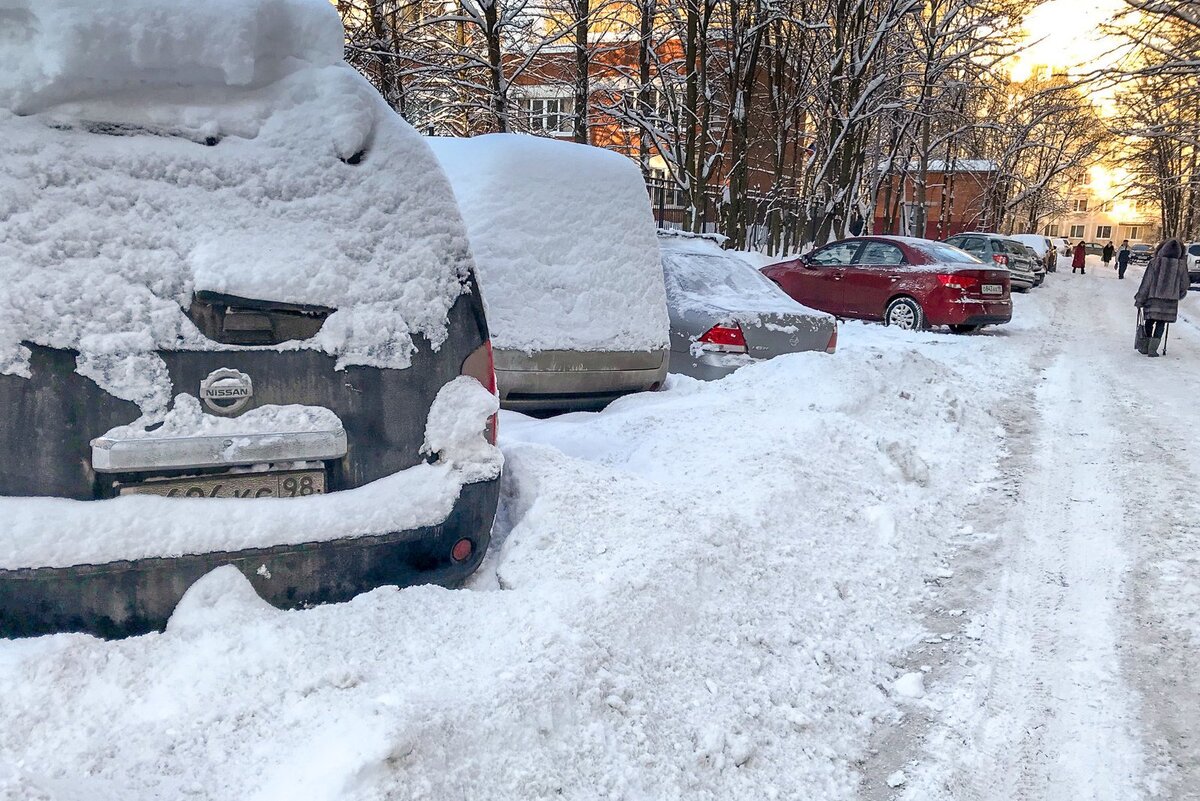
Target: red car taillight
(480, 366)
(724, 339)
(832, 345)
(1000, 259)
(965, 283)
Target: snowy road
(929, 568)
(1074, 675)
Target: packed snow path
(1077, 676)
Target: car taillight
(480, 366)
(724, 339)
(959, 281)
(1000, 259)
(832, 345)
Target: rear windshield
(1141, 247)
(706, 275)
(945, 253)
(1194, 249)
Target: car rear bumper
(571, 380)
(125, 598)
(973, 312)
(708, 366)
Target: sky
(1066, 34)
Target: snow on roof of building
(152, 149)
(940, 165)
(564, 240)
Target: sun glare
(1066, 35)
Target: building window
(1052, 230)
(1077, 232)
(1104, 232)
(1105, 207)
(1135, 232)
(549, 114)
(1079, 204)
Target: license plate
(292, 484)
(993, 289)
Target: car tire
(905, 314)
(965, 329)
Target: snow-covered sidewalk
(720, 591)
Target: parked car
(1140, 253)
(1093, 248)
(1061, 246)
(1038, 265)
(908, 283)
(571, 275)
(1002, 251)
(725, 314)
(1043, 247)
(1193, 257)
(198, 329)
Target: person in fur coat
(1164, 284)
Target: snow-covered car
(564, 243)
(725, 314)
(1042, 247)
(239, 321)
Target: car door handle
(836, 276)
(893, 278)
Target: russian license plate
(993, 289)
(291, 484)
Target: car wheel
(904, 313)
(964, 329)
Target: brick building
(955, 200)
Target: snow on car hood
(564, 240)
(152, 149)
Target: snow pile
(697, 605)
(56, 532)
(564, 241)
(701, 277)
(188, 419)
(262, 167)
(67, 49)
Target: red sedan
(908, 283)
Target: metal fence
(774, 222)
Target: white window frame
(1079, 204)
(1135, 232)
(1104, 232)
(549, 115)
(1077, 231)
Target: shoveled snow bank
(55, 532)
(259, 166)
(564, 241)
(187, 419)
(697, 604)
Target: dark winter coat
(1107, 254)
(1123, 257)
(1079, 259)
(1164, 284)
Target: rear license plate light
(289, 484)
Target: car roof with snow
(228, 150)
(563, 239)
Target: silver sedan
(725, 314)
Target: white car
(1043, 247)
(1193, 262)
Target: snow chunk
(897, 779)
(564, 240)
(262, 167)
(910, 685)
(67, 49)
(218, 599)
(188, 419)
(455, 429)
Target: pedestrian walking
(1164, 284)
(1123, 259)
(1079, 259)
(1107, 254)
